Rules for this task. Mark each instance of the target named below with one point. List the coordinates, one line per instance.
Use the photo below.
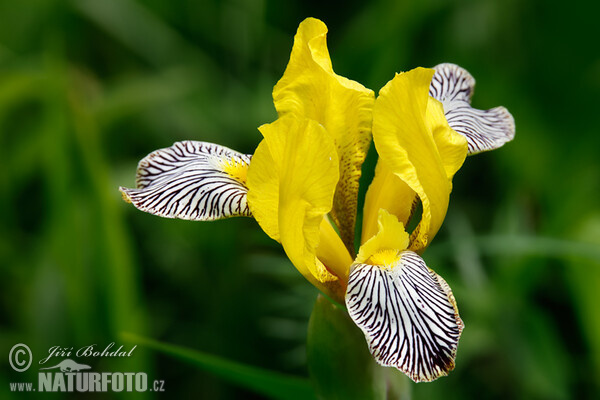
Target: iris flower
(301, 186)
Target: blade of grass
(272, 384)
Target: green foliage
(87, 88)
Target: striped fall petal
(408, 315)
(484, 129)
(193, 181)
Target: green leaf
(271, 384)
(339, 361)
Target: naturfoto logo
(71, 379)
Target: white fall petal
(485, 130)
(408, 315)
(191, 180)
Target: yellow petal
(414, 140)
(389, 192)
(291, 182)
(384, 247)
(332, 253)
(310, 88)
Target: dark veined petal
(484, 129)
(191, 180)
(408, 315)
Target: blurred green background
(87, 88)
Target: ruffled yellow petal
(384, 247)
(291, 182)
(414, 140)
(310, 88)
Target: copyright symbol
(20, 357)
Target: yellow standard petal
(310, 88)
(414, 140)
(291, 182)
